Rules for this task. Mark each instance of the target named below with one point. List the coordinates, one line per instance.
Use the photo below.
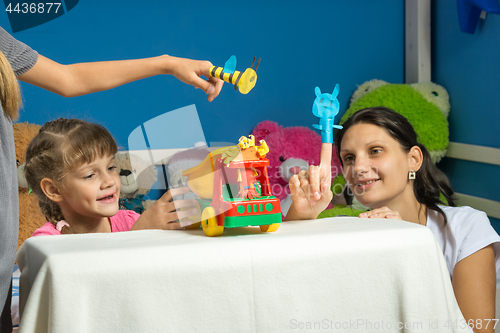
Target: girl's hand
(381, 213)
(189, 71)
(310, 190)
(163, 213)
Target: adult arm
(84, 78)
(474, 284)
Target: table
(336, 274)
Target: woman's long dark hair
(430, 182)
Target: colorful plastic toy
(233, 188)
(245, 81)
(326, 107)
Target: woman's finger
(294, 185)
(326, 191)
(379, 213)
(315, 182)
(326, 155)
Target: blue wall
(468, 67)
(302, 45)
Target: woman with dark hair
(390, 172)
(428, 183)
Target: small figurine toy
(233, 188)
(245, 81)
(326, 107)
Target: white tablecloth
(338, 274)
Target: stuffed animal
(30, 215)
(425, 105)
(291, 149)
(137, 177)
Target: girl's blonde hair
(59, 147)
(10, 96)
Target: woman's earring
(412, 174)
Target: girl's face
(91, 190)
(375, 166)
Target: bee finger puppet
(244, 81)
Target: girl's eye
(89, 176)
(112, 168)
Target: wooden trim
(479, 154)
(161, 156)
(474, 153)
(417, 41)
(490, 207)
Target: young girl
(17, 60)
(70, 166)
(390, 172)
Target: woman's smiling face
(375, 166)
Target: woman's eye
(375, 151)
(348, 159)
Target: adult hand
(310, 190)
(189, 71)
(381, 213)
(166, 214)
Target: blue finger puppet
(326, 107)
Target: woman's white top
(468, 230)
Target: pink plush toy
(291, 149)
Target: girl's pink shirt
(122, 221)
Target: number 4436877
(33, 7)
(474, 324)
